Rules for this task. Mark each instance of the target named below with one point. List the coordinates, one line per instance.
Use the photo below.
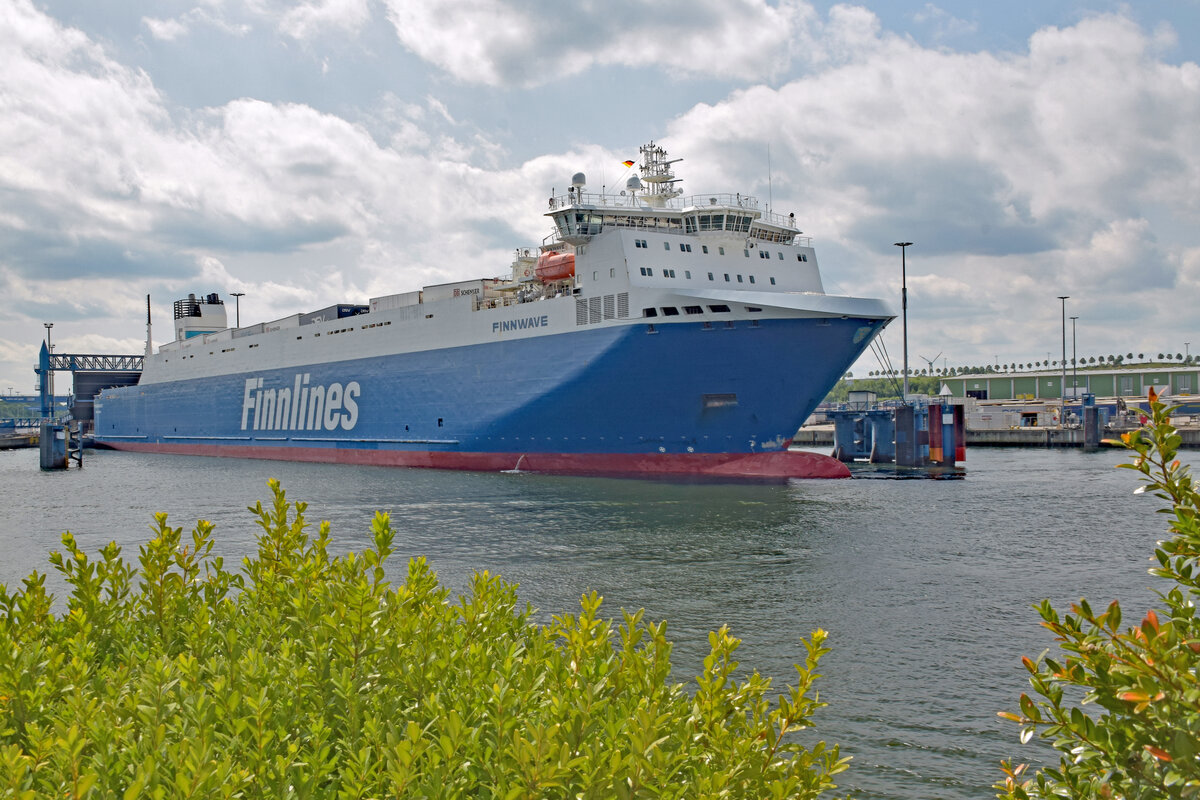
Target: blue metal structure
(125, 367)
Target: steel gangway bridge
(90, 373)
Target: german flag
(627, 163)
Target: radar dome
(634, 183)
(578, 179)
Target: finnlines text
(300, 407)
(520, 324)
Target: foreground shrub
(1143, 738)
(308, 676)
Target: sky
(321, 151)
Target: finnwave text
(520, 324)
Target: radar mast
(656, 173)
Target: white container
(395, 301)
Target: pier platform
(822, 435)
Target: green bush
(1142, 740)
(309, 676)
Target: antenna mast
(149, 340)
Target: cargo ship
(649, 334)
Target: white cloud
(306, 20)
(532, 42)
(165, 30)
(169, 30)
(943, 24)
(1048, 147)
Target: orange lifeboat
(555, 266)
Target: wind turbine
(930, 361)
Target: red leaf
(1159, 753)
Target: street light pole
(904, 308)
(237, 307)
(1062, 395)
(1074, 363)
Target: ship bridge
(652, 200)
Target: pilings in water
(909, 435)
(60, 445)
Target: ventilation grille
(597, 309)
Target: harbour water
(925, 585)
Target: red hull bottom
(775, 466)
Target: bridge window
(649, 312)
(666, 245)
(693, 310)
(752, 279)
(719, 308)
(704, 248)
(670, 311)
(772, 281)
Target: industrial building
(1132, 382)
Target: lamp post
(237, 307)
(1074, 364)
(904, 308)
(1062, 395)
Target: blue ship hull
(720, 399)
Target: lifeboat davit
(555, 266)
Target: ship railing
(505, 302)
(593, 199)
